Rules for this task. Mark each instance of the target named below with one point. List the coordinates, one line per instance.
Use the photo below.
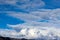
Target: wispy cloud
(24, 16)
(8, 1)
(24, 4)
(50, 15)
(33, 4)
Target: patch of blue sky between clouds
(5, 19)
(52, 4)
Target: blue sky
(17, 13)
(52, 4)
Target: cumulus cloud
(32, 33)
(8, 33)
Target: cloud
(32, 24)
(55, 14)
(8, 1)
(27, 5)
(31, 4)
(32, 33)
(42, 14)
(24, 16)
(33, 27)
(7, 33)
(35, 18)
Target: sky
(33, 18)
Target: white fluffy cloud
(32, 33)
